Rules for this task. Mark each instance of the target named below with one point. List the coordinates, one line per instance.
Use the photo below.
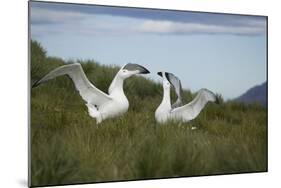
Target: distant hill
(256, 94)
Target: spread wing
(175, 81)
(192, 109)
(86, 89)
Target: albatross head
(131, 69)
(166, 81)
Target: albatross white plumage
(100, 105)
(177, 111)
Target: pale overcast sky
(224, 53)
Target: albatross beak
(160, 74)
(136, 67)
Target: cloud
(152, 14)
(47, 16)
(168, 27)
(56, 18)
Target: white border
(13, 77)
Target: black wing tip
(35, 84)
(167, 74)
(218, 99)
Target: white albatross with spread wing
(100, 105)
(177, 111)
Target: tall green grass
(67, 146)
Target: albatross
(178, 111)
(100, 105)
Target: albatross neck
(166, 101)
(116, 86)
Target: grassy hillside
(67, 146)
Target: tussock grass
(67, 146)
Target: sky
(225, 53)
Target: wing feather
(175, 81)
(86, 89)
(192, 109)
